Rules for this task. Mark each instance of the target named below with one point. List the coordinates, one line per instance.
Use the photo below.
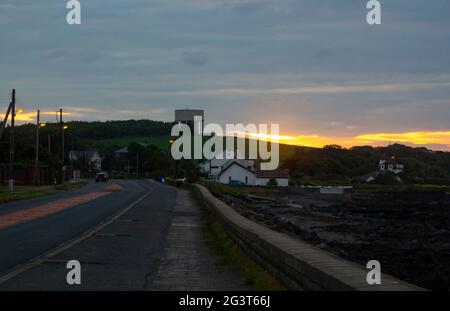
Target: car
(180, 181)
(101, 177)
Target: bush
(387, 178)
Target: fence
(24, 175)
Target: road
(127, 235)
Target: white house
(391, 165)
(91, 159)
(239, 171)
(228, 167)
(215, 166)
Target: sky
(314, 67)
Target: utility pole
(5, 119)
(63, 171)
(61, 132)
(36, 160)
(11, 142)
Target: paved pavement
(187, 264)
(146, 236)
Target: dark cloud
(224, 55)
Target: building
(187, 116)
(122, 161)
(280, 176)
(121, 154)
(229, 168)
(239, 172)
(215, 166)
(384, 166)
(91, 159)
(391, 165)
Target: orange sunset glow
(413, 138)
(31, 116)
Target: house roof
(87, 154)
(230, 163)
(122, 150)
(243, 163)
(278, 173)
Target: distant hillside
(105, 146)
(335, 163)
(119, 129)
(306, 164)
(81, 135)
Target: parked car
(180, 181)
(101, 177)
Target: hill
(306, 164)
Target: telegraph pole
(5, 119)
(11, 143)
(61, 132)
(36, 160)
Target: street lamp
(36, 177)
(14, 112)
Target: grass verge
(230, 255)
(23, 193)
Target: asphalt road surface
(120, 232)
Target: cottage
(90, 158)
(237, 171)
(240, 172)
(121, 154)
(391, 165)
(215, 166)
(280, 176)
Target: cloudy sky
(315, 67)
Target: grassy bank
(110, 145)
(230, 255)
(27, 192)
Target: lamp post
(11, 141)
(61, 153)
(37, 178)
(63, 127)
